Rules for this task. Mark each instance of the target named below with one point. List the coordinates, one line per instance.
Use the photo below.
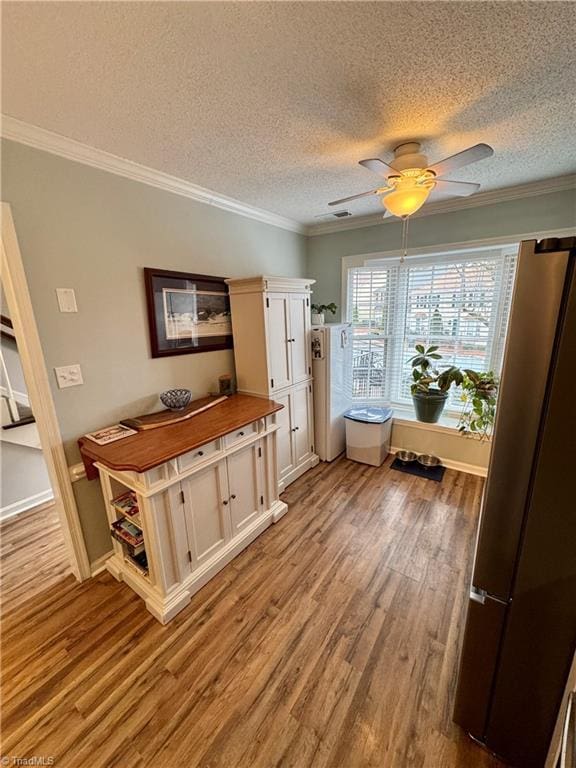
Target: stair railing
(7, 390)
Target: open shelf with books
(127, 531)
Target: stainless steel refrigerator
(520, 634)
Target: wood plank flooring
(332, 641)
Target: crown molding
(39, 138)
(48, 141)
(543, 187)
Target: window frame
(425, 257)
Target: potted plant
(430, 386)
(479, 391)
(318, 311)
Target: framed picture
(187, 313)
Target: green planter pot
(429, 407)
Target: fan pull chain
(405, 220)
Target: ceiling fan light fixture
(407, 198)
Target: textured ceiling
(274, 103)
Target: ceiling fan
(410, 180)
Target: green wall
(93, 231)
(549, 212)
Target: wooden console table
(202, 490)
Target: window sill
(447, 424)
(407, 417)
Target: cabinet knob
(225, 502)
(240, 434)
(233, 496)
(200, 453)
(295, 429)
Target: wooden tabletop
(148, 449)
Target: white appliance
(331, 368)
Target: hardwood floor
(32, 555)
(331, 641)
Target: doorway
(34, 417)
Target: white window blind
(458, 301)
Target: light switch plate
(69, 376)
(66, 299)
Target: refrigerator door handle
(568, 754)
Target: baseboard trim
(25, 504)
(459, 466)
(99, 564)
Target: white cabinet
(194, 515)
(205, 496)
(299, 339)
(278, 340)
(221, 500)
(245, 484)
(294, 436)
(271, 326)
(288, 339)
(284, 438)
(302, 431)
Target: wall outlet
(69, 376)
(66, 299)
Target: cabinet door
(206, 508)
(245, 483)
(278, 328)
(284, 442)
(300, 337)
(301, 422)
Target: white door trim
(36, 376)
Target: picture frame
(187, 313)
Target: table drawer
(199, 454)
(240, 434)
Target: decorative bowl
(427, 460)
(406, 456)
(176, 399)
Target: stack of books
(127, 533)
(139, 562)
(127, 506)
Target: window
(458, 301)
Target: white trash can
(368, 434)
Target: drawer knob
(240, 434)
(200, 453)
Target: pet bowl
(427, 460)
(406, 456)
(176, 399)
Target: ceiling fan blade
(459, 160)
(456, 188)
(380, 167)
(353, 197)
